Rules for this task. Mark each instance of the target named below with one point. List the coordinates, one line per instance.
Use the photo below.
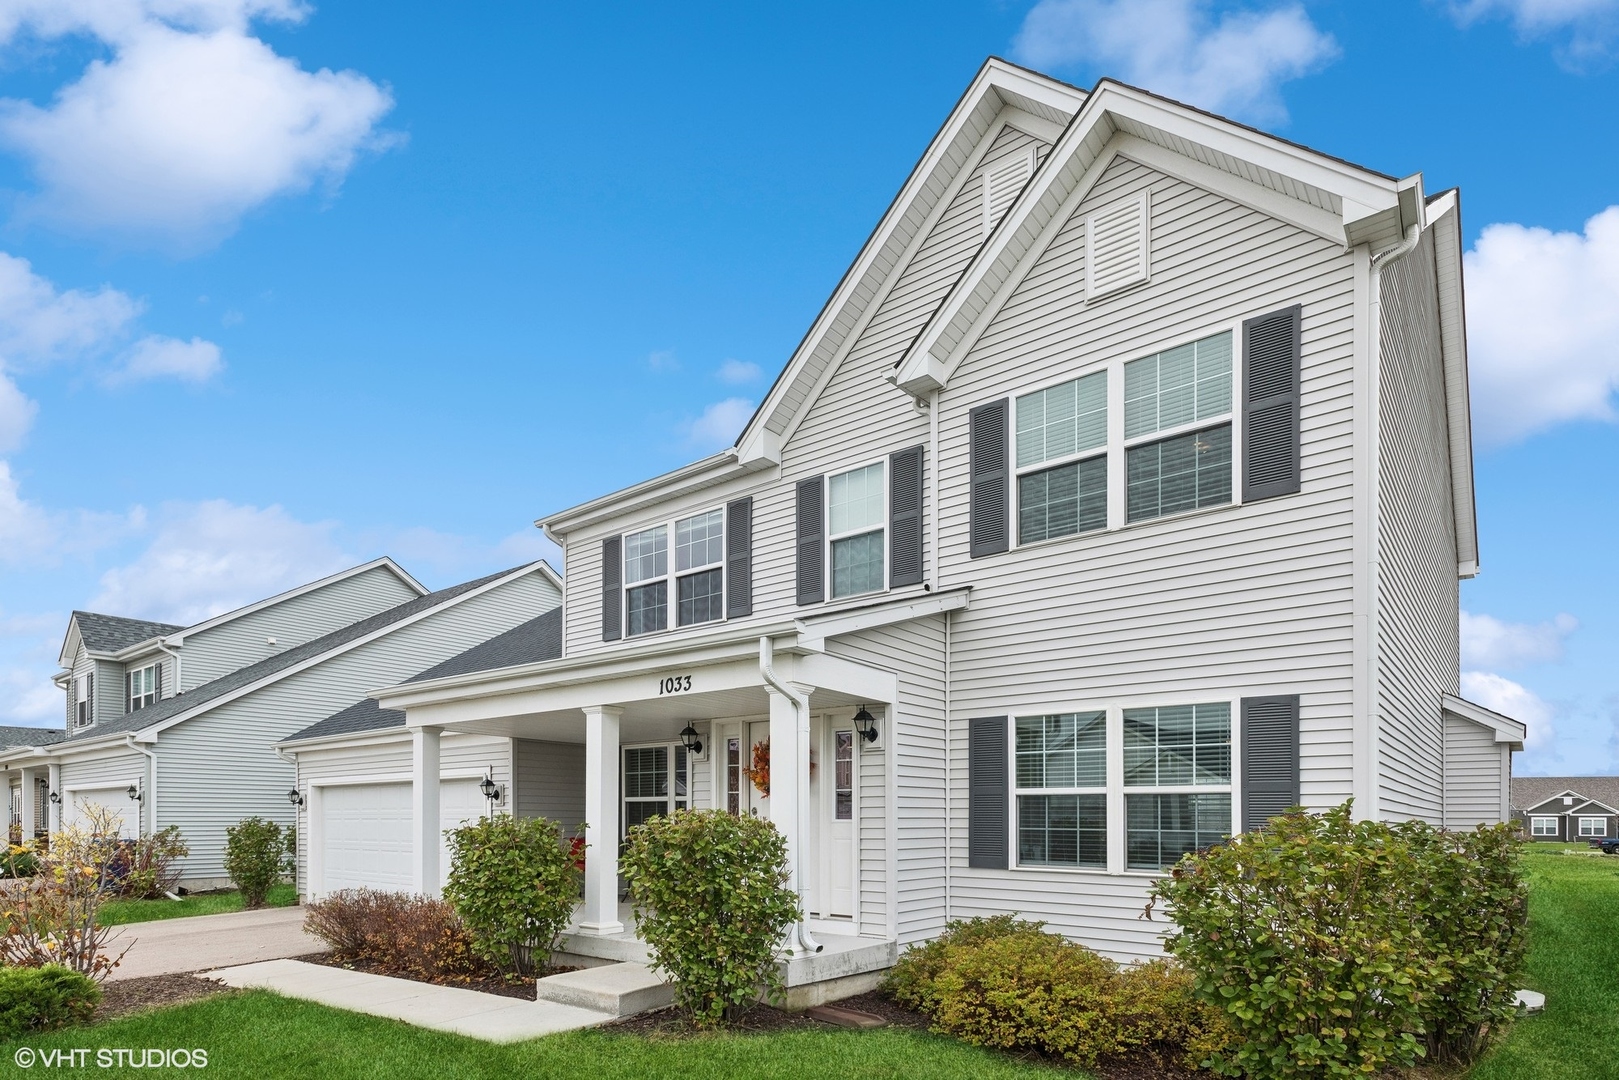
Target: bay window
(857, 509)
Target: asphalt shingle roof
(1529, 791)
(110, 633)
(538, 639)
(28, 736)
(225, 684)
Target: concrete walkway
(168, 946)
(440, 1008)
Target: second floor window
(856, 510)
(695, 575)
(1066, 425)
(82, 712)
(1184, 393)
(143, 683)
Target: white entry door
(832, 832)
(125, 811)
(366, 840)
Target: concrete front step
(617, 989)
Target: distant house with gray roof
(1566, 808)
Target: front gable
(1556, 805)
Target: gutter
(799, 940)
(151, 755)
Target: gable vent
(1116, 246)
(1002, 182)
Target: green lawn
(258, 1034)
(1574, 961)
(119, 912)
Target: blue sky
(283, 287)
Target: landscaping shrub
(1341, 948)
(1005, 983)
(53, 917)
(19, 861)
(258, 854)
(416, 936)
(37, 999)
(514, 883)
(147, 870)
(712, 901)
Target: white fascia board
(1506, 729)
(150, 734)
(1445, 216)
(347, 740)
(814, 631)
(1542, 804)
(699, 474)
(70, 643)
(1587, 805)
(178, 639)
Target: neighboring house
(173, 725)
(354, 773)
(1566, 807)
(39, 794)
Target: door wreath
(759, 772)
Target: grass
(259, 1034)
(121, 912)
(1574, 961)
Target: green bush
(18, 861)
(1342, 948)
(514, 883)
(40, 998)
(711, 897)
(1005, 983)
(258, 854)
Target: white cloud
(155, 356)
(1543, 326)
(28, 648)
(210, 557)
(1591, 25)
(1234, 63)
(39, 323)
(189, 124)
(31, 535)
(16, 415)
(663, 360)
(720, 423)
(737, 371)
(1508, 698)
(1487, 642)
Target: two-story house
(176, 725)
(1115, 501)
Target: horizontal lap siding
(221, 766)
(1416, 587)
(119, 767)
(857, 418)
(1250, 599)
(457, 754)
(1476, 773)
(242, 641)
(550, 781)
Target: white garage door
(116, 800)
(366, 841)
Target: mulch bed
(127, 996)
(488, 982)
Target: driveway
(210, 941)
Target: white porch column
(601, 821)
(29, 778)
(789, 791)
(53, 809)
(424, 810)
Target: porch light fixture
(56, 797)
(135, 793)
(295, 798)
(490, 789)
(866, 725)
(689, 739)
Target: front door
(832, 802)
(738, 740)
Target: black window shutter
(1270, 410)
(988, 502)
(129, 691)
(988, 773)
(612, 588)
(157, 681)
(1270, 758)
(739, 558)
(90, 697)
(905, 517)
(812, 540)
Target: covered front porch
(761, 726)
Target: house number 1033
(674, 684)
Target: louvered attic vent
(1116, 247)
(1002, 182)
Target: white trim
(1604, 807)
(1506, 729)
(672, 574)
(881, 527)
(1537, 821)
(1600, 821)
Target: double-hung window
(1593, 826)
(857, 506)
(142, 687)
(1543, 826)
(1062, 459)
(695, 575)
(1177, 781)
(1177, 429)
(81, 701)
(654, 782)
(1061, 786)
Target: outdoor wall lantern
(135, 793)
(294, 798)
(56, 797)
(490, 789)
(689, 739)
(866, 725)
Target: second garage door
(366, 841)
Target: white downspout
(179, 687)
(151, 794)
(799, 937)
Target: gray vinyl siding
(220, 767)
(1477, 772)
(1225, 602)
(1417, 638)
(916, 740)
(855, 398)
(549, 778)
(392, 756)
(242, 641)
